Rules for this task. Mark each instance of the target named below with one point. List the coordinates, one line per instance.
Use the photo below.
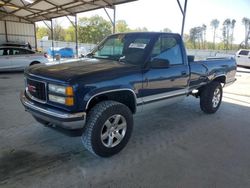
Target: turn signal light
(69, 101)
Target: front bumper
(59, 118)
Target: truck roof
(147, 32)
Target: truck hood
(88, 69)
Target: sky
(159, 14)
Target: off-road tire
(98, 115)
(207, 96)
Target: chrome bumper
(59, 118)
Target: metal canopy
(38, 10)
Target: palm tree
(225, 32)
(232, 34)
(204, 29)
(215, 24)
(246, 22)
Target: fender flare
(110, 91)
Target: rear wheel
(210, 98)
(108, 128)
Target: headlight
(64, 90)
(69, 101)
(61, 94)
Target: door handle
(238, 56)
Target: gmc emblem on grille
(31, 88)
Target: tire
(108, 128)
(210, 98)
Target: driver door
(166, 77)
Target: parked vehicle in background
(126, 73)
(17, 44)
(243, 58)
(16, 58)
(63, 52)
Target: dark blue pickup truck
(126, 73)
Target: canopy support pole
(113, 21)
(75, 25)
(183, 11)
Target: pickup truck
(125, 74)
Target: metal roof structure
(38, 10)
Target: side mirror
(158, 63)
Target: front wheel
(210, 98)
(108, 128)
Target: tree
(167, 30)
(70, 34)
(226, 33)
(93, 29)
(58, 31)
(140, 29)
(42, 32)
(122, 26)
(215, 24)
(196, 34)
(232, 32)
(204, 31)
(246, 22)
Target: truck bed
(207, 70)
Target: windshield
(126, 48)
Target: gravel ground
(176, 146)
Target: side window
(167, 48)
(16, 52)
(243, 52)
(24, 51)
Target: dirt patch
(15, 163)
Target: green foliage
(42, 32)
(197, 36)
(93, 29)
(70, 34)
(122, 26)
(58, 32)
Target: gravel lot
(177, 146)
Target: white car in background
(16, 58)
(243, 58)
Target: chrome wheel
(113, 131)
(216, 98)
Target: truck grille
(36, 90)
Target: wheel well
(125, 97)
(221, 79)
(34, 62)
